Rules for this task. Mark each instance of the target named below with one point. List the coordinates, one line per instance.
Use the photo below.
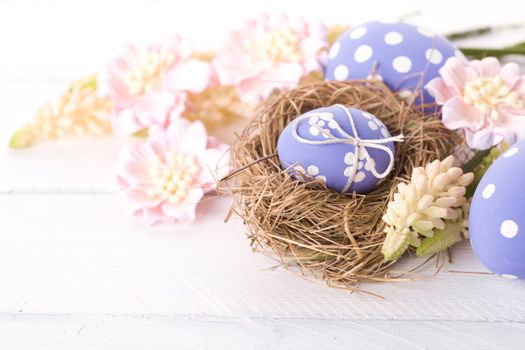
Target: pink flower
(482, 98)
(270, 53)
(164, 178)
(148, 87)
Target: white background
(76, 274)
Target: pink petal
(155, 107)
(456, 114)
(455, 74)
(510, 73)
(215, 164)
(487, 67)
(179, 106)
(155, 215)
(184, 212)
(124, 122)
(183, 136)
(441, 92)
(251, 90)
(482, 139)
(510, 125)
(136, 198)
(283, 75)
(134, 163)
(193, 76)
(157, 141)
(231, 71)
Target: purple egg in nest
(405, 57)
(347, 148)
(497, 215)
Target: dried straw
(335, 236)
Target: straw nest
(334, 236)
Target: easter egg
(497, 215)
(347, 148)
(405, 57)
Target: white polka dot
(360, 176)
(321, 123)
(488, 191)
(393, 38)
(372, 125)
(512, 277)
(321, 177)
(511, 152)
(312, 170)
(368, 115)
(402, 64)
(425, 32)
(385, 133)
(334, 50)
(434, 56)
(357, 33)
(314, 130)
(509, 229)
(341, 72)
(363, 53)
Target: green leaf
(476, 52)
(469, 33)
(481, 162)
(441, 240)
(396, 243)
(22, 138)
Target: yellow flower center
(173, 178)
(487, 93)
(149, 71)
(281, 45)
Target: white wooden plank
(78, 254)
(76, 163)
(157, 332)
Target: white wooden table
(75, 273)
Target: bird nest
(336, 237)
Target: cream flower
(426, 203)
(78, 111)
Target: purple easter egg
(497, 215)
(319, 145)
(404, 56)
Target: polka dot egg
(403, 56)
(497, 215)
(320, 144)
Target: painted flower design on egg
(334, 144)
(497, 215)
(405, 57)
